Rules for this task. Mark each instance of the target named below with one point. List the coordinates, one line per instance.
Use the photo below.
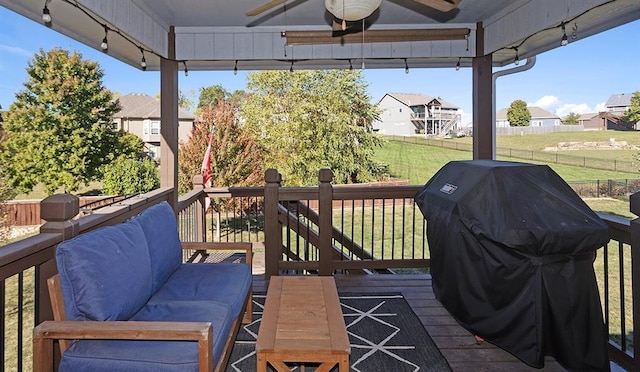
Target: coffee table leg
(262, 363)
(344, 364)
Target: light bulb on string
(458, 64)
(235, 68)
(105, 43)
(143, 61)
(564, 40)
(46, 14)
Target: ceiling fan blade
(441, 5)
(264, 7)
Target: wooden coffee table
(302, 323)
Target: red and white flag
(205, 169)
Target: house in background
(592, 121)
(539, 118)
(140, 115)
(619, 104)
(409, 114)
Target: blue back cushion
(161, 230)
(105, 274)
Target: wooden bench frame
(202, 332)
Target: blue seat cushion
(138, 355)
(161, 230)
(105, 274)
(228, 283)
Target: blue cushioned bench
(124, 301)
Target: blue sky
(579, 77)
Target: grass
(418, 163)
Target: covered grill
(512, 249)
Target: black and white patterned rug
(385, 335)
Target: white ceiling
(216, 34)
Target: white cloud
(567, 108)
(15, 50)
(600, 107)
(547, 102)
(555, 105)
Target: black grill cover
(512, 250)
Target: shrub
(128, 176)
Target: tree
(518, 114)
(236, 159)
(633, 115)
(58, 129)
(127, 176)
(308, 120)
(571, 119)
(210, 96)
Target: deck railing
(322, 229)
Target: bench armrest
(46, 332)
(224, 246)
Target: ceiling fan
(355, 10)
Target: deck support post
(325, 225)
(272, 228)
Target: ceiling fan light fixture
(352, 10)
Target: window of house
(155, 127)
(115, 125)
(152, 151)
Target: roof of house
(143, 106)
(535, 111)
(416, 99)
(588, 116)
(619, 100)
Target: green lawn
(419, 162)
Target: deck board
(456, 344)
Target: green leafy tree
(127, 176)
(210, 96)
(518, 114)
(58, 129)
(236, 159)
(633, 115)
(308, 120)
(571, 119)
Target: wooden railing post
(201, 214)
(272, 230)
(634, 201)
(325, 223)
(58, 210)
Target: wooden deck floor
(456, 344)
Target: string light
(143, 61)
(458, 64)
(406, 66)
(466, 37)
(291, 68)
(350, 65)
(574, 34)
(105, 43)
(516, 61)
(186, 70)
(235, 68)
(46, 15)
(565, 40)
